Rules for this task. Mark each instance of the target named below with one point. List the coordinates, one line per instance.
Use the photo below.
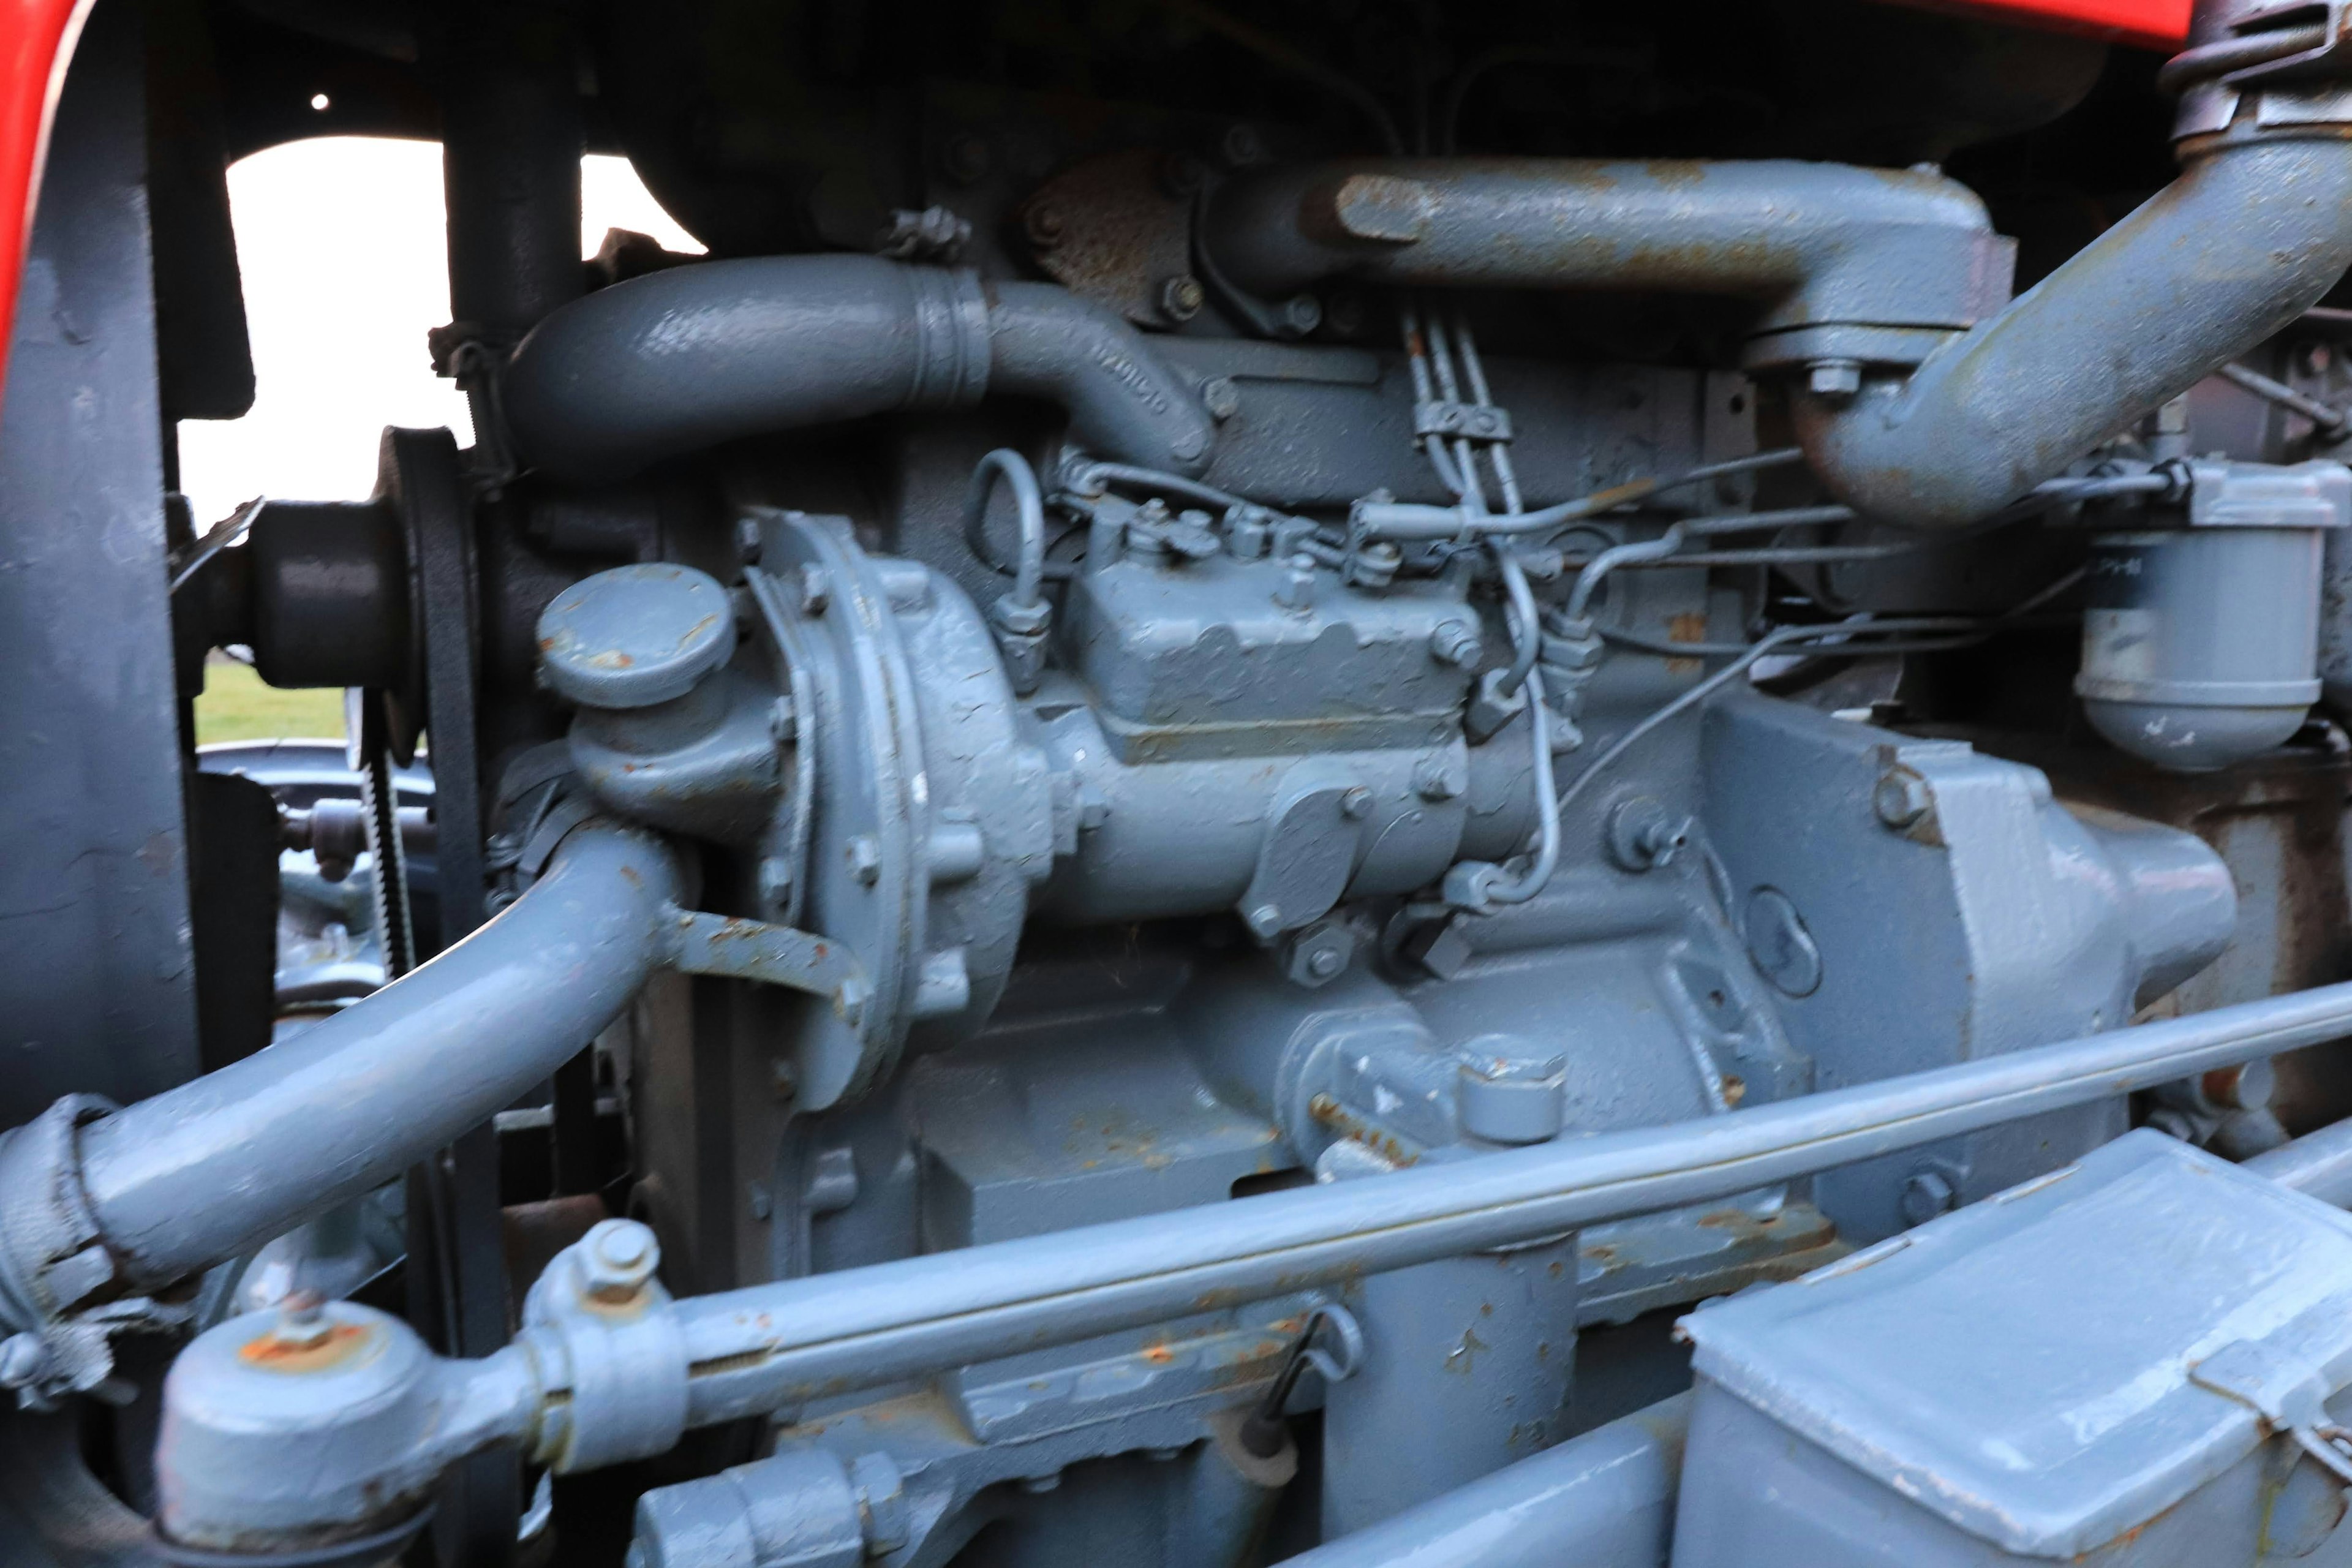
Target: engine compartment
(1142, 834)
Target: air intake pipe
(684, 360)
(1920, 400)
(104, 1201)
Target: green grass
(235, 706)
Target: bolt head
(1302, 313)
(618, 1259)
(1455, 643)
(1433, 780)
(775, 880)
(1901, 798)
(866, 860)
(1243, 147)
(1925, 1195)
(816, 590)
(1181, 297)
(302, 1321)
(1220, 397)
(1836, 380)
(1357, 804)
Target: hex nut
(1319, 952)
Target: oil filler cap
(636, 636)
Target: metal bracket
(1468, 421)
(774, 955)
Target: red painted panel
(36, 38)
(2147, 23)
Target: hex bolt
(1045, 225)
(618, 1259)
(1298, 591)
(1925, 1195)
(1357, 804)
(302, 1321)
(1265, 920)
(1220, 397)
(747, 541)
(1456, 643)
(780, 719)
(1834, 380)
(1326, 962)
(1507, 1091)
(816, 590)
(1433, 780)
(1181, 297)
(865, 859)
(1901, 798)
(1642, 834)
(775, 880)
(1302, 313)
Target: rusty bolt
(965, 158)
(302, 1321)
(1181, 297)
(1043, 224)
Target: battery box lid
(2054, 1365)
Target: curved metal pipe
(1824, 244)
(1859, 267)
(1605, 1500)
(679, 361)
(196, 1173)
(2249, 237)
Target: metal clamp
(1468, 421)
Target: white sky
(341, 242)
